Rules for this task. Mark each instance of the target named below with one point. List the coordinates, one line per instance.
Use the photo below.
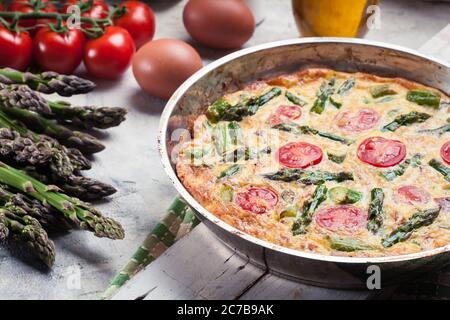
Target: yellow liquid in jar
(331, 18)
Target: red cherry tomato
(413, 195)
(16, 49)
(381, 152)
(257, 200)
(99, 10)
(299, 155)
(285, 113)
(364, 119)
(445, 152)
(109, 56)
(138, 20)
(25, 6)
(344, 217)
(59, 52)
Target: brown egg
(161, 66)
(224, 24)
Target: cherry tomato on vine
(59, 52)
(16, 49)
(26, 6)
(109, 56)
(138, 20)
(99, 10)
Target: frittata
(336, 163)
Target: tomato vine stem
(96, 31)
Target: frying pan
(231, 73)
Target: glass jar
(332, 18)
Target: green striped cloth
(180, 219)
(177, 222)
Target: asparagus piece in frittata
(305, 217)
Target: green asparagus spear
(246, 153)
(376, 213)
(88, 117)
(83, 188)
(23, 151)
(336, 158)
(346, 86)
(235, 134)
(309, 207)
(28, 231)
(381, 91)
(230, 171)
(80, 213)
(217, 110)
(23, 97)
(405, 230)
(295, 99)
(196, 154)
(336, 99)
(385, 100)
(424, 98)
(47, 82)
(441, 168)
(221, 138)
(223, 110)
(439, 130)
(257, 102)
(86, 189)
(4, 231)
(80, 140)
(400, 170)
(297, 129)
(308, 177)
(347, 244)
(78, 160)
(325, 91)
(85, 117)
(336, 138)
(406, 120)
(22, 205)
(343, 195)
(227, 137)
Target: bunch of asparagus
(42, 154)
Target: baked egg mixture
(321, 161)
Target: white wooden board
(197, 267)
